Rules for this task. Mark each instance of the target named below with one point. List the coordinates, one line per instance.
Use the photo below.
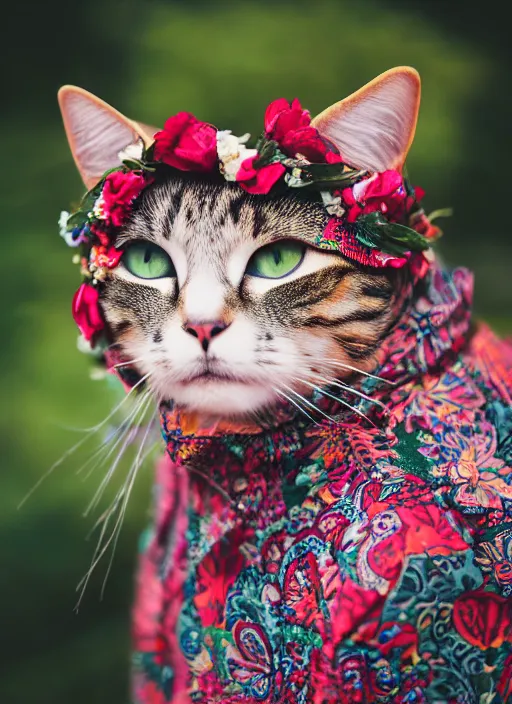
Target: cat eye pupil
(147, 256)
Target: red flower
(101, 231)
(187, 144)
(215, 575)
(282, 117)
(119, 192)
(261, 180)
(86, 311)
(333, 157)
(483, 618)
(305, 141)
(289, 125)
(382, 191)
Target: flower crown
(374, 218)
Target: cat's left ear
(374, 127)
(97, 132)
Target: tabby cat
(333, 518)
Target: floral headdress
(375, 218)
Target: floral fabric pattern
(343, 562)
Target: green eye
(276, 260)
(147, 261)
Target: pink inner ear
(374, 128)
(96, 134)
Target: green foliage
(330, 176)
(374, 231)
(225, 62)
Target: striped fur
(283, 335)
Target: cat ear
(374, 127)
(97, 132)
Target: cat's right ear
(97, 132)
(374, 127)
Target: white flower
(294, 180)
(63, 223)
(132, 151)
(65, 233)
(98, 209)
(332, 204)
(232, 151)
(98, 374)
(227, 144)
(84, 345)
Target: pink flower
(107, 257)
(282, 117)
(260, 181)
(119, 192)
(186, 143)
(289, 125)
(333, 157)
(86, 311)
(382, 192)
(99, 230)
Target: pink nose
(205, 332)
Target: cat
(333, 515)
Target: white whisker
(127, 436)
(128, 362)
(115, 437)
(121, 498)
(350, 389)
(359, 371)
(123, 511)
(294, 403)
(89, 433)
(335, 398)
(310, 404)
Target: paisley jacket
(346, 561)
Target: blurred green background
(223, 61)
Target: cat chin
(225, 399)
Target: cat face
(221, 297)
(232, 311)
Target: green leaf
(138, 165)
(76, 219)
(268, 153)
(81, 214)
(330, 176)
(374, 231)
(440, 213)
